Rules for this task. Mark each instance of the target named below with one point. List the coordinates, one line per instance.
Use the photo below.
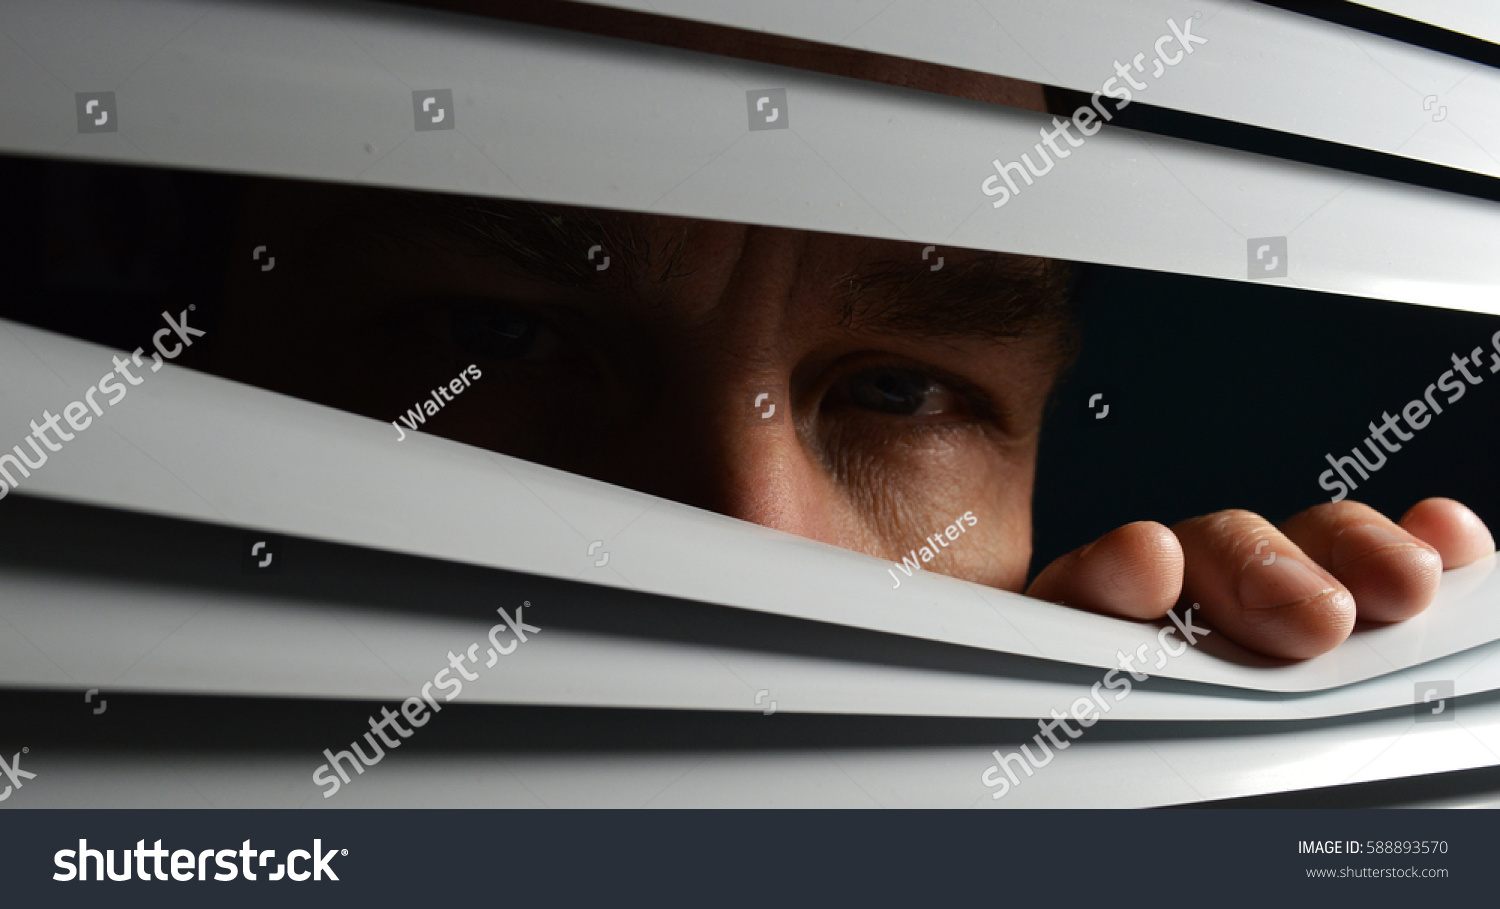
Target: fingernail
(1361, 540)
(1284, 581)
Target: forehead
(567, 243)
(660, 269)
(699, 266)
(695, 262)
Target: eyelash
(441, 318)
(982, 408)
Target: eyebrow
(549, 243)
(991, 297)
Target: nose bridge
(726, 437)
(756, 467)
(720, 434)
(759, 470)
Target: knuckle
(1347, 511)
(1236, 522)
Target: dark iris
(890, 390)
(494, 332)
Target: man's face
(906, 392)
(909, 393)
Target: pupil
(895, 391)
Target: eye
(902, 392)
(500, 332)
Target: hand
(1292, 591)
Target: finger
(1457, 533)
(1257, 587)
(1134, 572)
(1392, 574)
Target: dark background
(1221, 394)
(1228, 395)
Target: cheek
(918, 492)
(996, 550)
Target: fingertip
(1450, 527)
(1261, 589)
(1303, 630)
(1392, 574)
(1143, 561)
(1134, 571)
(1154, 538)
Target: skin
(648, 382)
